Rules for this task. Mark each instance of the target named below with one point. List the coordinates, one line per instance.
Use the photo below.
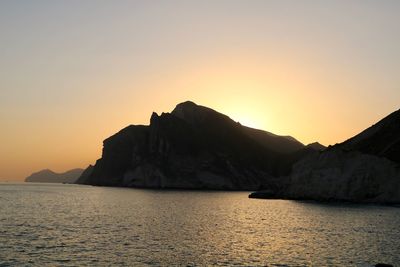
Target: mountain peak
(200, 115)
(316, 146)
(187, 104)
(187, 107)
(193, 113)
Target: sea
(76, 225)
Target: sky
(73, 72)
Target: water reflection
(83, 225)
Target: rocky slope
(381, 139)
(365, 168)
(48, 176)
(192, 147)
(277, 143)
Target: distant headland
(48, 176)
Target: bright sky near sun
(73, 73)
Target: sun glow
(266, 65)
(247, 121)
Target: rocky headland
(193, 147)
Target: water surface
(72, 225)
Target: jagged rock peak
(154, 117)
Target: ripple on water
(68, 225)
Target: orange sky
(72, 75)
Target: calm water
(71, 225)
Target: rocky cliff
(192, 147)
(345, 176)
(48, 176)
(365, 168)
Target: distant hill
(48, 176)
(192, 147)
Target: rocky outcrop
(383, 265)
(192, 147)
(48, 176)
(365, 168)
(345, 176)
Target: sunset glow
(82, 71)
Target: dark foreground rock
(264, 194)
(365, 168)
(194, 147)
(346, 176)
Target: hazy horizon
(74, 73)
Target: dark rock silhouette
(48, 176)
(85, 175)
(277, 143)
(365, 168)
(316, 146)
(195, 147)
(381, 139)
(192, 147)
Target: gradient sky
(74, 72)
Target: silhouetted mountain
(316, 146)
(48, 176)
(202, 116)
(381, 139)
(277, 143)
(364, 168)
(192, 147)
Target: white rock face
(348, 176)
